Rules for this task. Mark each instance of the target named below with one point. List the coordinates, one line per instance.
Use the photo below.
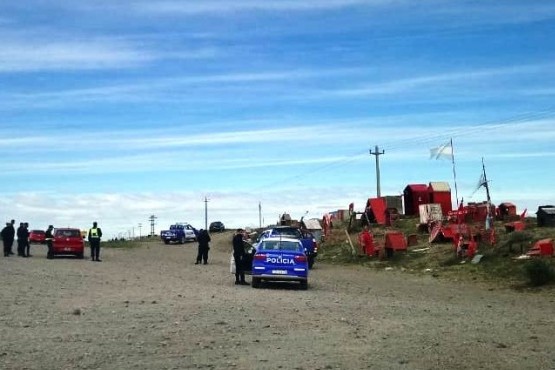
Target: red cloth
(367, 243)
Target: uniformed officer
(27, 243)
(49, 236)
(239, 257)
(8, 235)
(95, 233)
(203, 240)
(21, 239)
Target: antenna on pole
(152, 220)
(260, 214)
(206, 200)
(377, 153)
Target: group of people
(9, 233)
(95, 233)
(239, 254)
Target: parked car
(216, 226)
(307, 239)
(179, 232)
(280, 259)
(37, 236)
(68, 241)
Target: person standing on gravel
(27, 242)
(203, 239)
(49, 236)
(239, 257)
(22, 235)
(95, 233)
(8, 235)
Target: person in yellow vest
(95, 233)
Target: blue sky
(114, 111)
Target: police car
(307, 239)
(280, 259)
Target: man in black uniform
(8, 235)
(239, 256)
(95, 233)
(203, 240)
(27, 243)
(49, 236)
(22, 235)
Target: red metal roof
(418, 187)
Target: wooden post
(353, 251)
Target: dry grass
(498, 264)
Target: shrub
(539, 272)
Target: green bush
(539, 272)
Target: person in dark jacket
(8, 235)
(239, 257)
(22, 236)
(49, 236)
(203, 239)
(27, 242)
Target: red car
(37, 236)
(68, 241)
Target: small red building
(506, 210)
(440, 193)
(413, 196)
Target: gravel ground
(152, 308)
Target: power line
(424, 139)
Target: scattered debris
(476, 259)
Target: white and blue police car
(280, 259)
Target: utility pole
(377, 153)
(260, 214)
(152, 220)
(140, 226)
(206, 200)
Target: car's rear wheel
(80, 255)
(255, 282)
(182, 240)
(310, 262)
(166, 242)
(304, 284)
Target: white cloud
(32, 55)
(155, 89)
(439, 79)
(218, 7)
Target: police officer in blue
(95, 233)
(239, 257)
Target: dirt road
(152, 308)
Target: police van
(280, 259)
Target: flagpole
(454, 172)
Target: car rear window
(37, 231)
(280, 245)
(293, 233)
(68, 233)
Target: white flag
(481, 182)
(443, 151)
